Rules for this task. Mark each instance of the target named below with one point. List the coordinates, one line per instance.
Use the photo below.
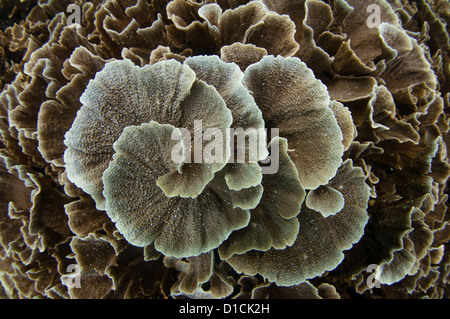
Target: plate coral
(224, 149)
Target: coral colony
(224, 149)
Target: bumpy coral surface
(224, 149)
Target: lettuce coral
(348, 107)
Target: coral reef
(348, 100)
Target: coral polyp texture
(224, 149)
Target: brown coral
(90, 114)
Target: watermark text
(374, 19)
(232, 145)
(75, 14)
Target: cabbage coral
(349, 108)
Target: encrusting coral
(103, 116)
